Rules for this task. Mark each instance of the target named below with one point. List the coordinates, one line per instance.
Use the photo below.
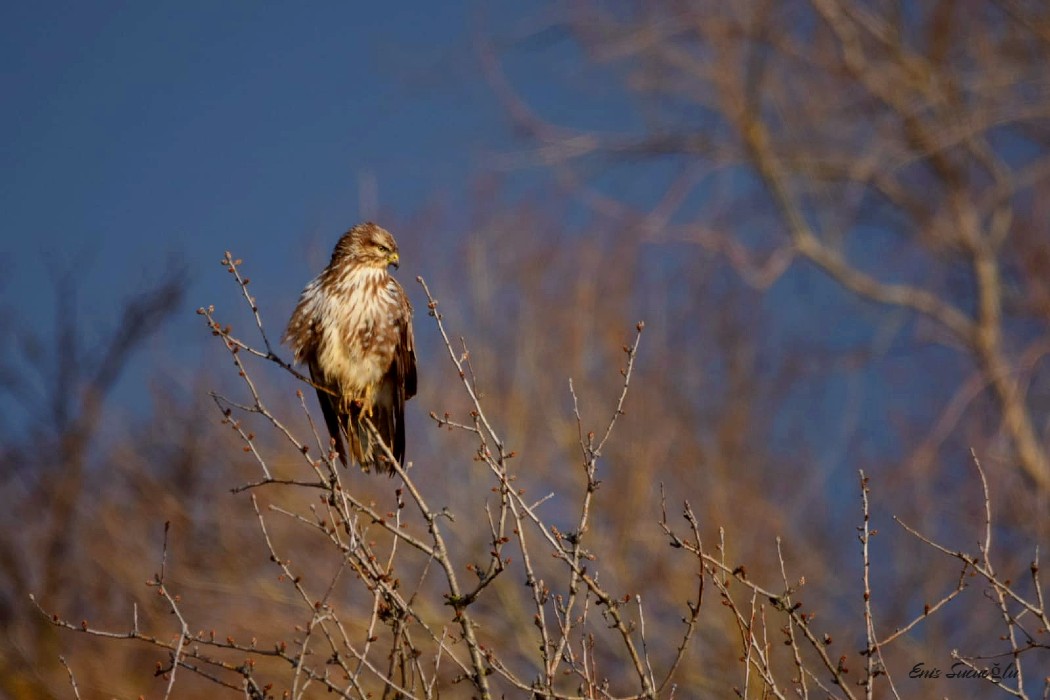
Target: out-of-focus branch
(925, 135)
(808, 244)
(982, 334)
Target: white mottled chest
(359, 335)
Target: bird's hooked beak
(395, 260)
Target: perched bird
(353, 328)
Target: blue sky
(139, 132)
(135, 127)
(135, 133)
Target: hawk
(353, 328)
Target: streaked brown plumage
(353, 328)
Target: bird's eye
(383, 249)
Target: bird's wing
(406, 353)
(331, 413)
(387, 416)
(404, 366)
(397, 386)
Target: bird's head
(368, 245)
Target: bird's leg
(366, 402)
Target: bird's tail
(363, 440)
